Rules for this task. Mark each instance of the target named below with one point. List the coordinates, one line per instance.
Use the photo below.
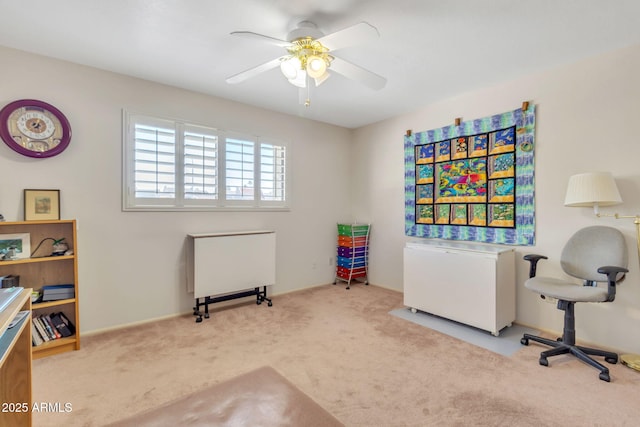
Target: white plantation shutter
(154, 164)
(171, 165)
(272, 172)
(200, 164)
(240, 169)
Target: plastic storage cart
(352, 262)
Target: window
(240, 169)
(172, 165)
(272, 172)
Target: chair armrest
(533, 263)
(612, 273)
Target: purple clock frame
(8, 138)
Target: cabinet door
(232, 263)
(460, 286)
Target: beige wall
(132, 263)
(586, 119)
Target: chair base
(582, 353)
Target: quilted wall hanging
(473, 180)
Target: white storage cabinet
(467, 282)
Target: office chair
(593, 254)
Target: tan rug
(261, 397)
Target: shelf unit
(42, 269)
(352, 262)
(15, 363)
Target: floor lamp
(595, 189)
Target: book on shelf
(67, 323)
(47, 328)
(36, 339)
(61, 326)
(57, 292)
(52, 328)
(40, 328)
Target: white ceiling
(428, 50)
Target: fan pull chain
(307, 102)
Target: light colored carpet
(260, 398)
(343, 350)
(506, 344)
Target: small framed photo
(14, 246)
(41, 205)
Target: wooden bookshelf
(15, 363)
(42, 269)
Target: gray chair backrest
(591, 248)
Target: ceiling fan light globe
(322, 78)
(316, 66)
(300, 80)
(289, 68)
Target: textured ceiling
(428, 50)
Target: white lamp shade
(300, 80)
(322, 78)
(290, 68)
(316, 66)
(592, 189)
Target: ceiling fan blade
(261, 37)
(252, 72)
(350, 36)
(357, 73)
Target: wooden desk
(15, 364)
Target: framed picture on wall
(41, 205)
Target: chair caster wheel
(258, 302)
(604, 376)
(524, 341)
(612, 360)
(270, 304)
(199, 320)
(543, 361)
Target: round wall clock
(34, 128)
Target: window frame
(178, 202)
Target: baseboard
(132, 324)
(221, 305)
(552, 334)
(387, 288)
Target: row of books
(50, 327)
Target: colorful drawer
(352, 261)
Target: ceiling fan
(310, 56)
